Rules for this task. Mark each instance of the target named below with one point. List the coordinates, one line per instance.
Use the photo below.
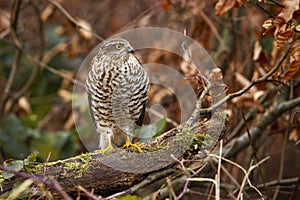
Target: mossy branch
(117, 171)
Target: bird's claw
(106, 150)
(129, 144)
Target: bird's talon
(106, 150)
(129, 144)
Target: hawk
(117, 87)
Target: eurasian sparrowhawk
(117, 86)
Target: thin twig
(208, 84)
(73, 20)
(245, 89)
(250, 115)
(89, 194)
(46, 163)
(58, 73)
(265, 119)
(36, 69)
(222, 45)
(142, 184)
(212, 27)
(189, 175)
(247, 173)
(172, 194)
(252, 143)
(218, 175)
(140, 16)
(45, 180)
(281, 166)
(281, 182)
(157, 114)
(19, 50)
(230, 175)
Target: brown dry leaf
(268, 24)
(4, 21)
(24, 105)
(216, 92)
(240, 78)
(257, 95)
(166, 4)
(216, 75)
(278, 23)
(246, 100)
(295, 52)
(85, 29)
(283, 34)
(294, 61)
(257, 50)
(60, 47)
(47, 12)
(282, 30)
(60, 30)
(65, 95)
(75, 47)
(290, 6)
(223, 6)
(294, 135)
(70, 122)
(273, 25)
(296, 118)
(276, 54)
(187, 67)
(259, 55)
(240, 2)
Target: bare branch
(45, 180)
(19, 49)
(73, 20)
(264, 120)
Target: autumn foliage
(255, 45)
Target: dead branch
(19, 51)
(280, 105)
(117, 171)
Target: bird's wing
(140, 120)
(143, 88)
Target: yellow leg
(129, 144)
(107, 149)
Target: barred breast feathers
(128, 82)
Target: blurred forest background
(43, 43)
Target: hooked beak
(130, 49)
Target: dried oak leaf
(273, 24)
(4, 21)
(217, 92)
(259, 55)
(47, 12)
(283, 34)
(166, 4)
(85, 29)
(282, 30)
(290, 6)
(294, 61)
(294, 135)
(223, 6)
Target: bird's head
(116, 48)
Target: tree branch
(280, 105)
(117, 171)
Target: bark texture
(117, 171)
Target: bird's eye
(119, 46)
